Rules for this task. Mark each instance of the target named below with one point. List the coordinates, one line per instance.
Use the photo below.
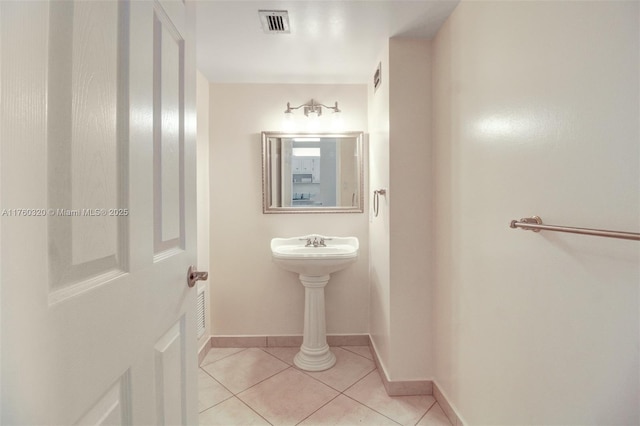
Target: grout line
(316, 379)
(261, 416)
(432, 405)
(265, 379)
(360, 379)
(372, 409)
(319, 408)
(216, 404)
(218, 381)
(428, 409)
(279, 359)
(399, 396)
(343, 394)
(345, 348)
(307, 373)
(224, 357)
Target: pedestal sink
(314, 258)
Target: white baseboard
(448, 409)
(290, 341)
(202, 352)
(400, 387)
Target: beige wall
(410, 208)
(379, 273)
(249, 294)
(202, 188)
(400, 238)
(536, 109)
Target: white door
(97, 190)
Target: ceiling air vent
(274, 21)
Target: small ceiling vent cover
(274, 21)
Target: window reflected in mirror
(312, 173)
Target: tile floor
(261, 386)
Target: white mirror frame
(267, 205)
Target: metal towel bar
(535, 224)
(376, 200)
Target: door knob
(193, 275)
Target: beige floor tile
(283, 353)
(216, 354)
(345, 411)
(244, 369)
(288, 397)
(230, 412)
(349, 368)
(364, 351)
(406, 410)
(435, 417)
(210, 392)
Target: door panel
(170, 369)
(87, 145)
(97, 322)
(168, 132)
(114, 408)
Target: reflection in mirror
(312, 173)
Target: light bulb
(314, 121)
(336, 120)
(288, 122)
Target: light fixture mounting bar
(311, 107)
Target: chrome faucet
(315, 242)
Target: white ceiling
(331, 41)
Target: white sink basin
(314, 255)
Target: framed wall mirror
(312, 172)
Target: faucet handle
(307, 239)
(322, 240)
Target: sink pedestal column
(314, 353)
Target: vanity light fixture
(311, 109)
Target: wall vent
(377, 77)
(274, 21)
(200, 314)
